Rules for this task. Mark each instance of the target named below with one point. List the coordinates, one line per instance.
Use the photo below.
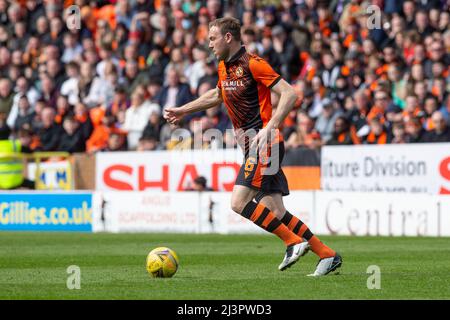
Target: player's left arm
(263, 73)
(285, 105)
(288, 97)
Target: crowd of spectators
(362, 75)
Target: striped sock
(264, 218)
(299, 228)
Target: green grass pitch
(33, 266)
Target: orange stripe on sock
(255, 215)
(267, 220)
(293, 222)
(302, 230)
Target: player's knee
(237, 206)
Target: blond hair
(228, 24)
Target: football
(162, 262)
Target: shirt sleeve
(263, 72)
(219, 73)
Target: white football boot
(327, 265)
(293, 253)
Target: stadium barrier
(45, 211)
(327, 213)
(415, 168)
(179, 212)
(54, 174)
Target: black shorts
(263, 172)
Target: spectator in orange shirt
(430, 106)
(381, 103)
(412, 108)
(438, 88)
(344, 133)
(351, 64)
(377, 134)
(101, 134)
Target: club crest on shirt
(239, 72)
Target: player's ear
(228, 37)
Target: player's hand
(173, 115)
(259, 143)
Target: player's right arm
(207, 100)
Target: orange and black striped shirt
(245, 81)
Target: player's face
(218, 43)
